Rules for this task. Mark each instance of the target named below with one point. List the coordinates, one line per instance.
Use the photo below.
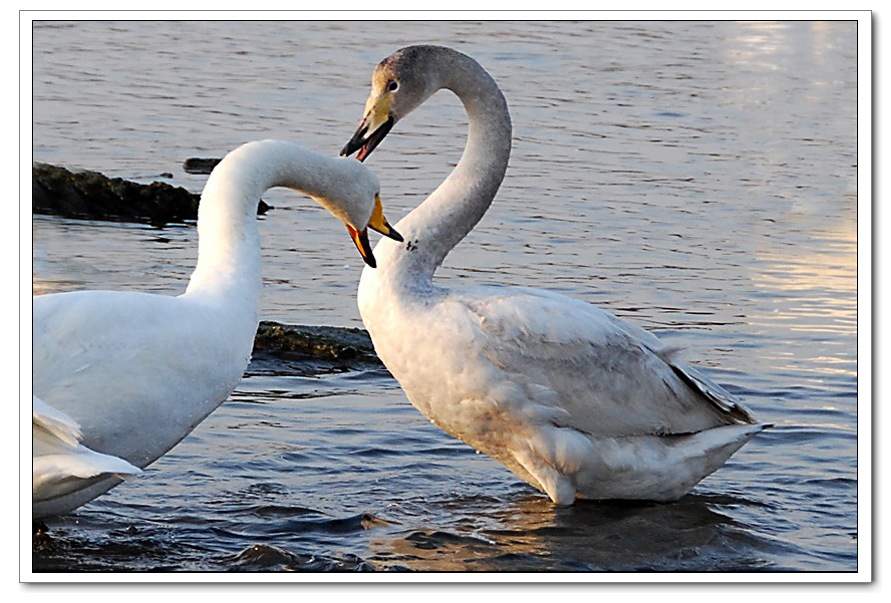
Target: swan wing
(54, 423)
(605, 376)
(60, 463)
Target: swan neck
(229, 253)
(435, 227)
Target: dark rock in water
(90, 195)
(311, 350)
(329, 343)
(94, 196)
(200, 165)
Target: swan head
(354, 198)
(377, 222)
(399, 84)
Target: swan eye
(392, 85)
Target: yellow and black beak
(372, 130)
(360, 238)
(379, 223)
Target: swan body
(119, 378)
(573, 400)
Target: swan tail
(659, 468)
(701, 454)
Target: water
(698, 178)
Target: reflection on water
(531, 535)
(698, 178)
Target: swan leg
(556, 485)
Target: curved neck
(229, 257)
(436, 226)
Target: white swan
(119, 378)
(571, 399)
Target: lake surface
(698, 178)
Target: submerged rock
(91, 195)
(303, 349)
(332, 343)
(200, 165)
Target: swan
(573, 400)
(119, 378)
